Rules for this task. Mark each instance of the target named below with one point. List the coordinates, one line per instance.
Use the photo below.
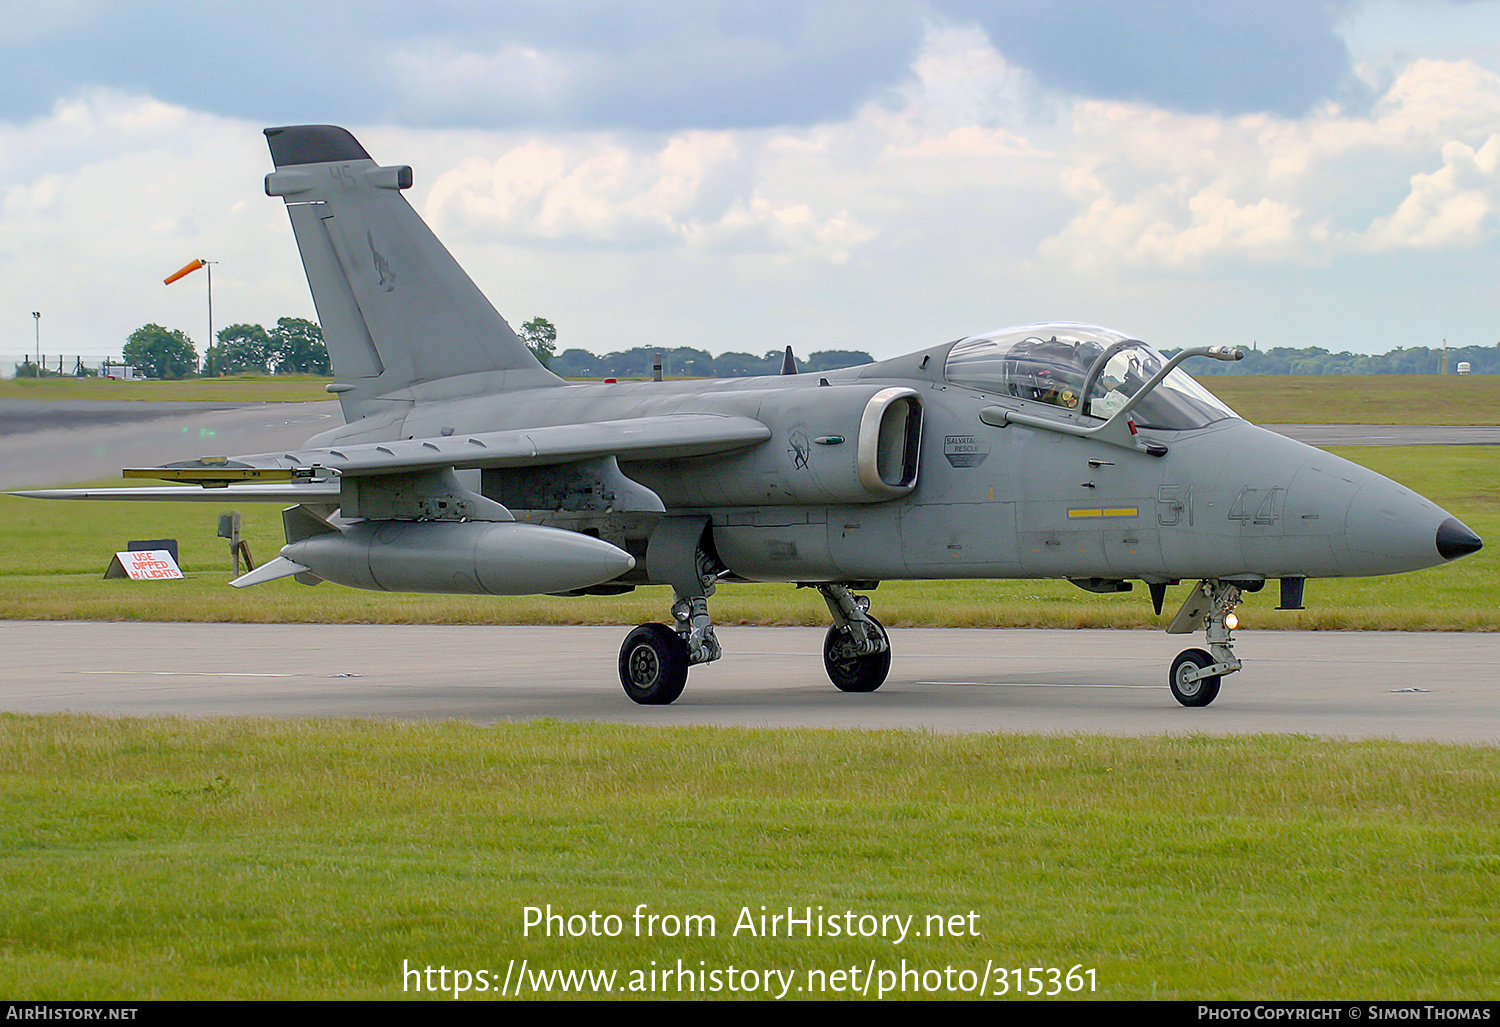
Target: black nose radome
(1454, 539)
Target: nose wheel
(1195, 674)
(1186, 687)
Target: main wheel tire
(851, 671)
(653, 665)
(1193, 693)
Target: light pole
(36, 315)
(208, 266)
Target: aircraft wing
(311, 475)
(666, 437)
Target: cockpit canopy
(1084, 368)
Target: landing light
(1231, 622)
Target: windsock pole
(188, 269)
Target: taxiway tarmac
(44, 444)
(1402, 685)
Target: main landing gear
(1195, 674)
(856, 651)
(655, 658)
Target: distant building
(125, 372)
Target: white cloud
(1451, 207)
(965, 199)
(701, 190)
(1169, 191)
(1458, 99)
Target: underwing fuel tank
(502, 558)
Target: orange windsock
(189, 269)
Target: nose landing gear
(1195, 674)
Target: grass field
(1361, 399)
(255, 859)
(55, 555)
(242, 388)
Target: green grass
(56, 552)
(241, 388)
(1361, 398)
(237, 858)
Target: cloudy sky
(744, 174)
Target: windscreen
(1082, 368)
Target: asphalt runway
(1391, 434)
(1409, 686)
(46, 444)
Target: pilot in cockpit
(1044, 372)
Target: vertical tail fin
(396, 308)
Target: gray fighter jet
(1043, 451)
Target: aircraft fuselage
(1226, 500)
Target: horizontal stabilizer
(280, 567)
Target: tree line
(540, 336)
(293, 346)
(686, 362)
(1316, 360)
